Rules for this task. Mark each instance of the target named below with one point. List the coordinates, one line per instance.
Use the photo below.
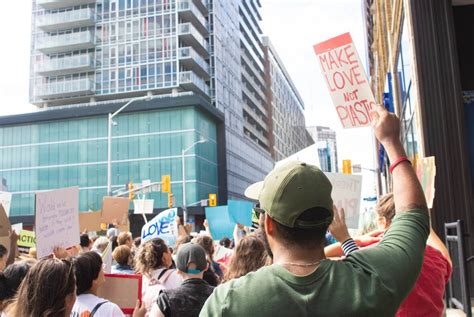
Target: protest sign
(123, 290)
(426, 172)
(219, 222)
(308, 155)
(162, 226)
(90, 221)
(115, 210)
(5, 241)
(143, 206)
(5, 201)
(240, 212)
(56, 220)
(26, 239)
(346, 80)
(5, 226)
(346, 193)
(17, 227)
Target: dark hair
(85, 241)
(150, 255)
(304, 238)
(180, 241)
(87, 267)
(114, 242)
(225, 242)
(137, 241)
(3, 250)
(43, 291)
(249, 256)
(207, 243)
(11, 277)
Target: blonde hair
(122, 254)
(123, 237)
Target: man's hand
(386, 126)
(13, 236)
(338, 226)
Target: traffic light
(131, 194)
(170, 200)
(165, 184)
(346, 167)
(212, 200)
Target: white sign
(143, 206)
(163, 226)
(17, 227)
(346, 80)
(346, 193)
(56, 220)
(308, 155)
(5, 200)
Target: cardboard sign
(123, 290)
(90, 221)
(26, 239)
(163, 226)
(346, 80)
(426, 172)
(346, 193)
(5, 201)
(5, 226)
(143, 206)
(5, 241)
(219, 222)
(240, 212)
(56, 220)
(115, 210)
(308, 155)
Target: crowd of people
(289, 266)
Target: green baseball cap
(290, 189)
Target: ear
(269, 225)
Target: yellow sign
(27, 239)
(346, 167)
(212, 200)
(165, 184)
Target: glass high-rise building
(204, 59)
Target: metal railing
(64, 63)
(188, 28)
(188, 5)
(66, 87)
(189, 52)
(66, 17)
(65, 40)
(190, 77)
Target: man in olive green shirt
(296, 201)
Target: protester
(187, 299)
(89, 276)
(123, 256)
(100, 245)
(85, 243)
(154, 261)
(125, 238)
(225, 242)
(249, 256)
(214, 274)
(48, 290)
(10, 280)
(296, 200)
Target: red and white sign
(346, 80)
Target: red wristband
(397, 162)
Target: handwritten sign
(220, 223)
(123, 290)
(346, 80)
(426, 172)
(26, 239)
(115, 210)
(56, 220)
(346, 193)
(162, 226)
(5, 200)
(240, 212)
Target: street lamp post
(183, 171)
(111, 122)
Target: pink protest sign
(346, 80)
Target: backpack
(155, 285)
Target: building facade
(325, 139)
(420, 57)
(89, 57)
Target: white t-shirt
(151, 289)
(85, 303)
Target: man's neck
(298, 261)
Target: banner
(220, 223)
(162, 226)
(240, 211)
(26, 239)
(90, 221)
(426, 172)
(115, 210)
(143, 206)
(5, 201)
(123, 290)
(56, 220)
(346, 193)
(346, 80)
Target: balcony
(66, 20)
(57, 4)
(190, 59)
(191, 37)
(256, 117)
(75, 87)
(66, 65)
(188, 12)
(254, 100)
(203, 6)
(66, 42)
(190, 81)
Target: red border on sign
(337, 41)
(129, 310)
